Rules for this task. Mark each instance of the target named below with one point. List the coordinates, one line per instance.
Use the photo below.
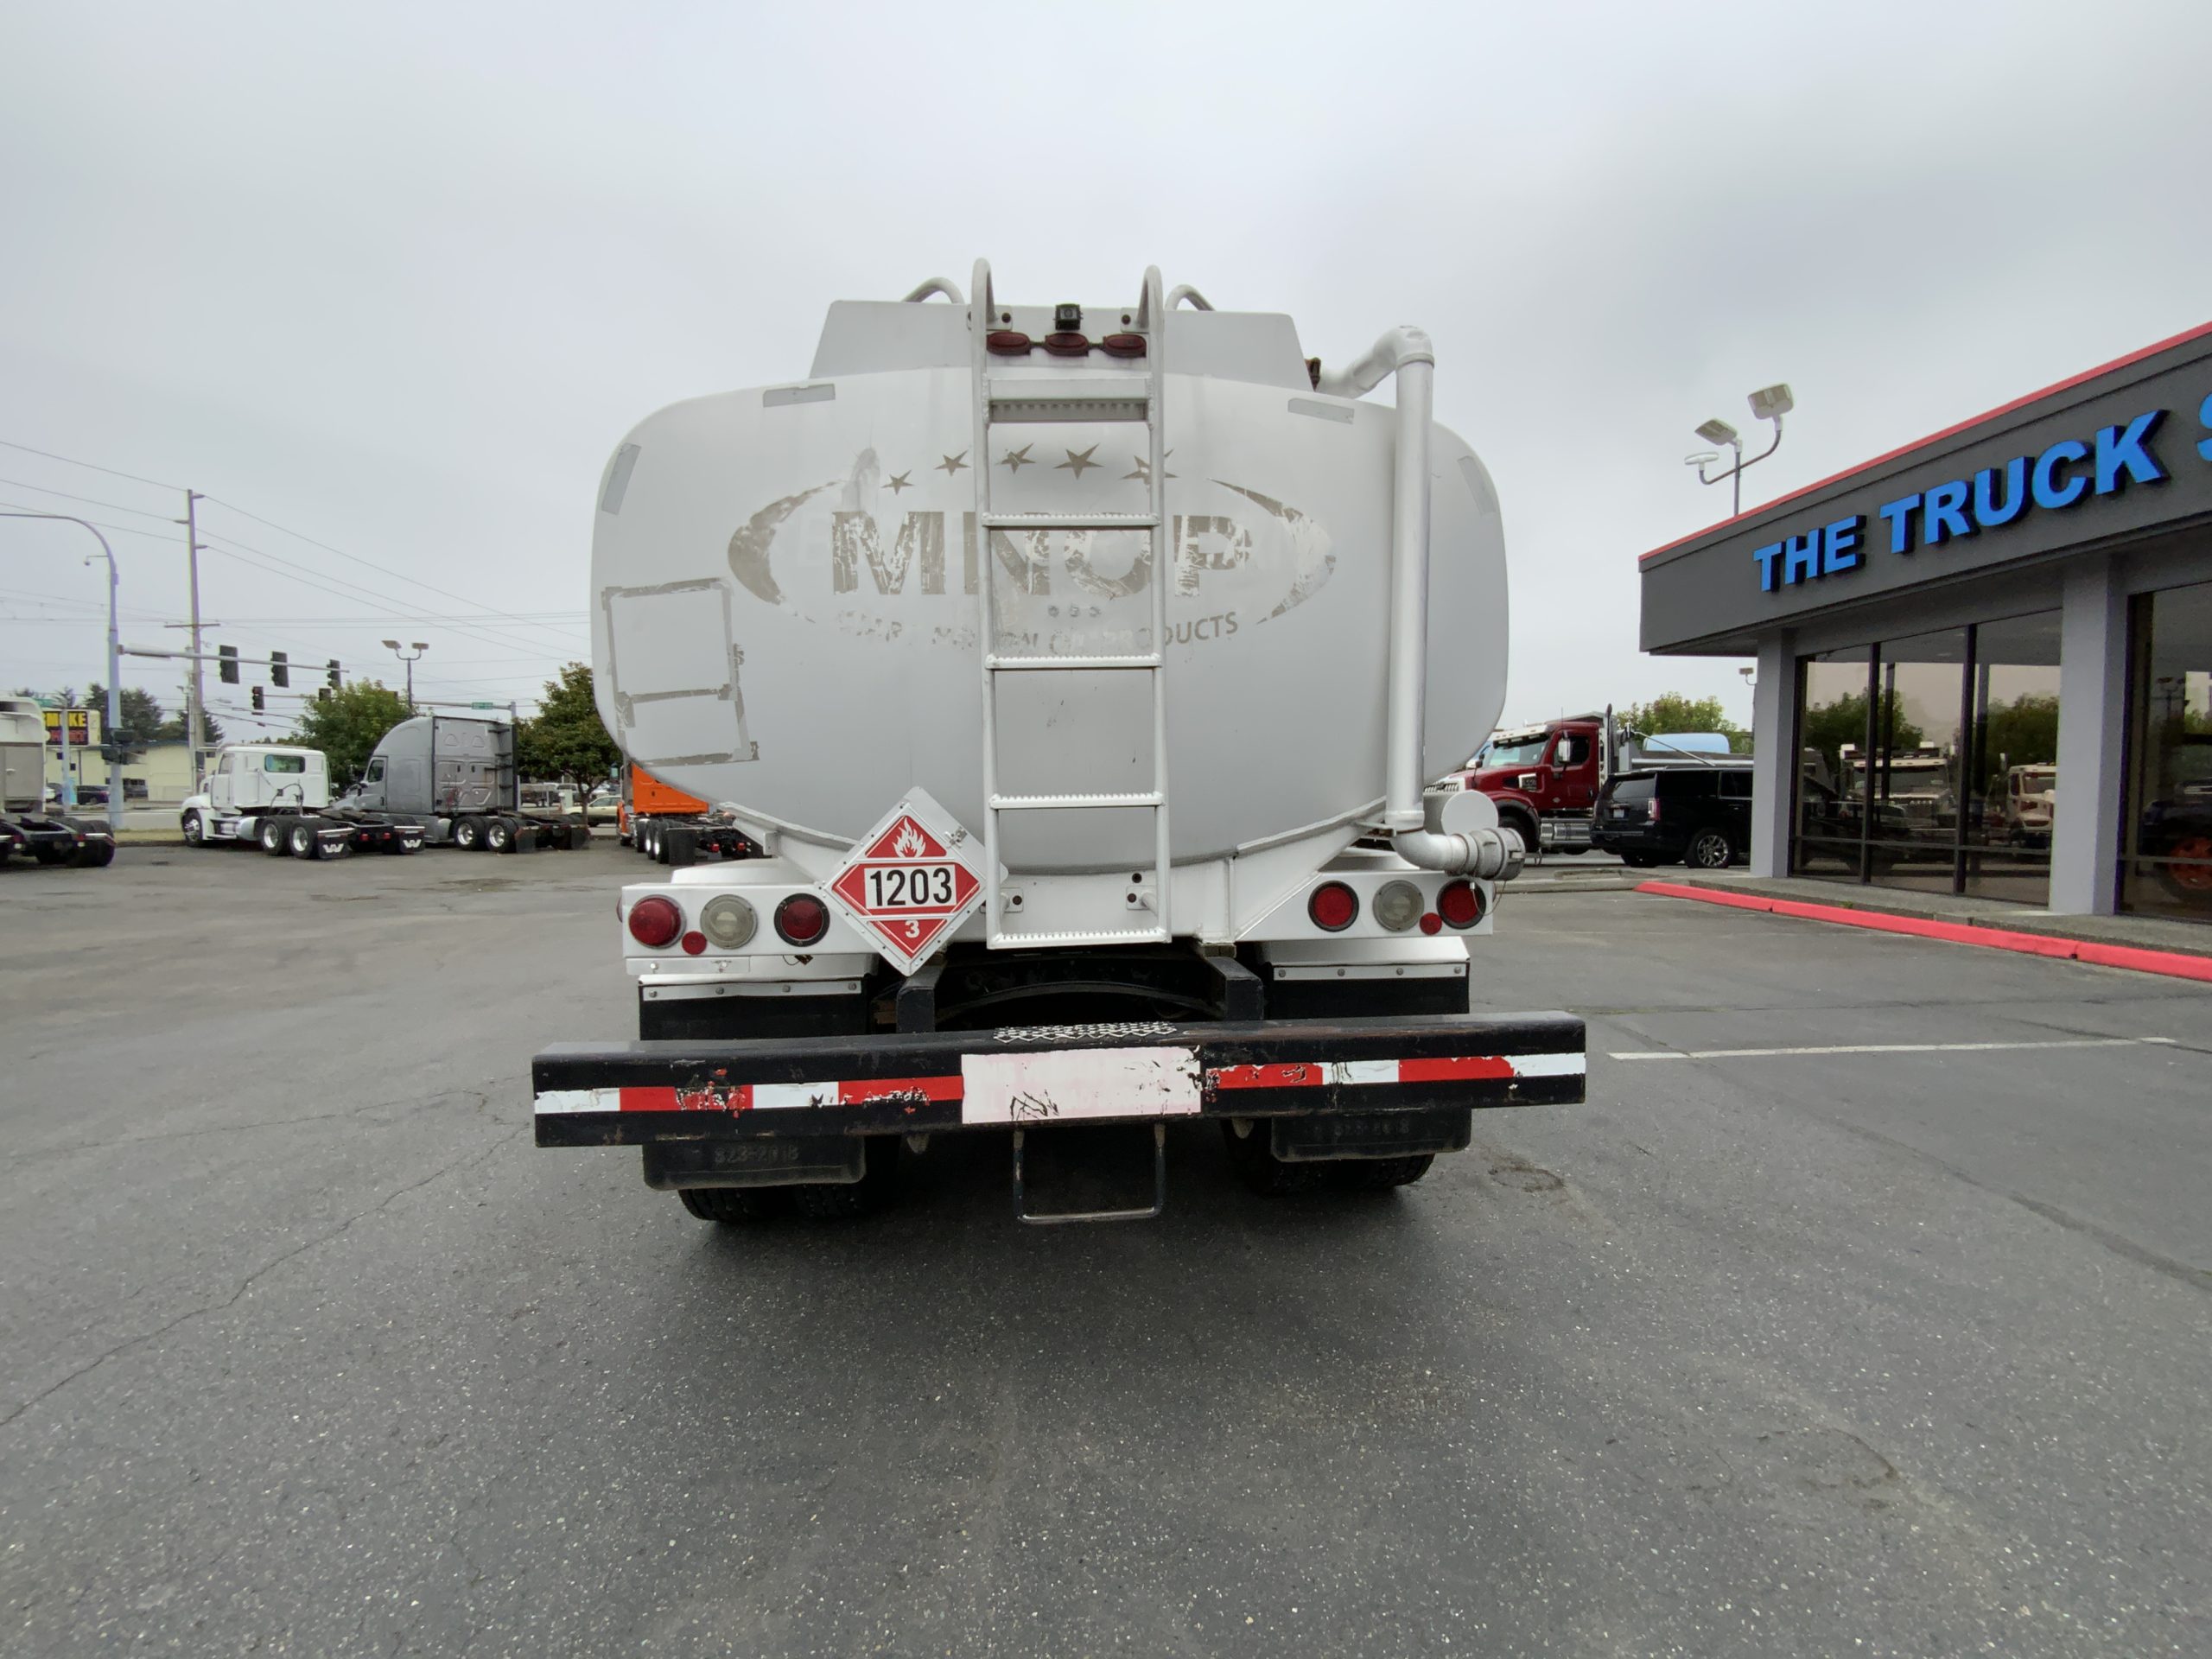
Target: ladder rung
(1027, 408)
(1070, 521)
(1117, 936)
(1040, 665)
(1046, 803)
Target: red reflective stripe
(649, 1100)
(851, 1094)
(1299, 1076)
(1454, 1068)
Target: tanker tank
(785, 590)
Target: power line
(93, 500)
(385, 569)
(93, 465)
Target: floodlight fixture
(1771, 402)
(1703, 458)
(391, 644)
(1717, 431)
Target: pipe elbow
(1397, 347)
(1491, 854)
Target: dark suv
(1697, 815)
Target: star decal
(1143, 474)
(899, 481)
(1015, 460)
(952, 464)
(1080, 462)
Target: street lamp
(392, 646)
(113, 717)
(1770, 404)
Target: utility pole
(196, 725)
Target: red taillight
(1008, 342)
(1333, 907)
(1122, 345)
(1651, 812)
(801, 919)
(655, 921)
(1067, 345)
(1461, 904)
(695, 944)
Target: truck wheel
(195, 830)
(848, 1201)
(1381, 1174)
(732, 1205)
(95, 853)
(301, 839)
(1709, 849)
(1523, 826)
(273, 837)
(468, 834)
(499, 835)
(1259, 1168)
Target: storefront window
(2167, 866)
(1927, 762)
(2013, 770)
(1829, 838)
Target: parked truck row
(432, 780)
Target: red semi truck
(1545, 780)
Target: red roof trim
(2182, 338)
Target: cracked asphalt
(305, 1349)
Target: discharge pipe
(1406, 353)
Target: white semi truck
(26, 829)
(1057, 659)
(277, 797)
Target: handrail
(943, 285)
(1184, 291)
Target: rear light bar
(1012, 342)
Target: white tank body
(786, 615)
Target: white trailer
(1057, 658)
(26, 829)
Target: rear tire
(499, 835)
(850, 1200)
(273, 835)
(1709, 849)
(95, 854)
(1521, 825)
(300, 840)
(732, 1205)
(195, 830)
(468, 834)
(1259, 1168)
(1382, 1174)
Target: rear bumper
(636, 1094)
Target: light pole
(113, 715)
(392, 646)
(1769, 405)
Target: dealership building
(1985, 659)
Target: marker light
(728, 921)
(695, 944)
(1461, 904)
(1122, 345)
(1397, 906)
(801, 919)
(1008, 342)
(1333, 907)
(1067, 345)
(655, 921)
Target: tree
(2021, 733)
(347, 726)
(566, 739)
(139, 719)
(1671, 711)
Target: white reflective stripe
(771, 1097)
(1362, 1071)
(1057, 1085)
(1549, 1065)
(580, 1100)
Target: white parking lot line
(1884, 1048)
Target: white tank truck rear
(26, 830)
(1078, 669)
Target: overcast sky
(398, 279)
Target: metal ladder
(1072, 396)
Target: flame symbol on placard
(908, 842)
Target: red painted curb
(2172, 963)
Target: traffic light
(256, 700)
(227, 664)
(280, 669)
(330, 674)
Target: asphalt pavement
(1888, 1336)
